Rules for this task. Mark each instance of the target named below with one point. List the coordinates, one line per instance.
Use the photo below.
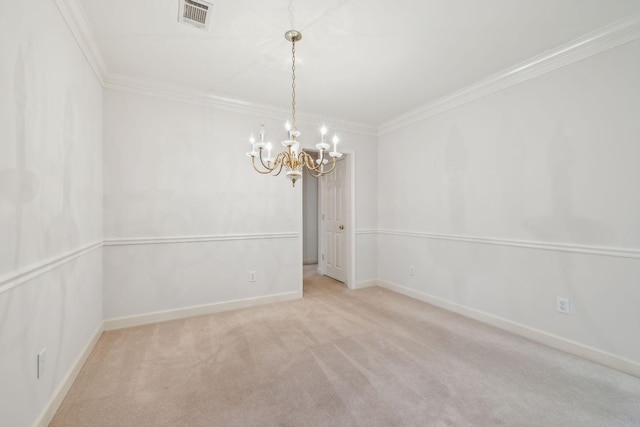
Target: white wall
(516, 198)
(50, 206)
(551, 161)
(178, 170)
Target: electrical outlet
(252, 276)
(42, 363)
(412, 270)
(563, 305)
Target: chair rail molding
(18, 277)
(365, 231)
(196, 239)
(547, 246)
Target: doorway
(328, 223)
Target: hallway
(315, 284)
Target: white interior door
(333, 222)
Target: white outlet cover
(42, 362)
(563, 305)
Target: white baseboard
(367, 284)
(607, 359)
(181, 313)
(62, 390)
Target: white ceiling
(365, 61)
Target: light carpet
(340, 358)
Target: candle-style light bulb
(252, 141)
(269, 146)
(334, 154)
(323, 131)
(287, 126)
(262, 133)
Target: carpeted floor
(340, 358)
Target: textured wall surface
(501, 205)
(50, 206)
(174, 169)
(551, 162)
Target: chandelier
(292, 160)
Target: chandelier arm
(313, 168)
(253, 163)
(322, 173)
(318, 175)
(305, 158)
(270, 169)
(280, 159)
(333, 166)
(307, 161)
(279, 170)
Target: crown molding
(590, 44)
(605, 38)
(77, 21)
(188, 96)
(199, 98)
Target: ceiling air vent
(196, 13)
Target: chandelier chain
(293, 85)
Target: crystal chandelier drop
(293, 160)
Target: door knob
(341, 227)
